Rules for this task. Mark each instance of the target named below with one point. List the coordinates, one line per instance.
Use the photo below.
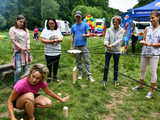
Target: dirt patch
(130, 118)
(155, 114)
(108, 118)
(117, 99)
(4, 115)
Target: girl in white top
(51, 37)
(150, 52)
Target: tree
(88, 11)
(9, 11)
(3, 22)
(49, 8)
(31, 9)
(36, 11)
(143, 2)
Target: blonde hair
(113, 18)
(156, 13)
(41, 68)
(117, 18)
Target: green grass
(93, 102)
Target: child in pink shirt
(35, 32)
(25, 93)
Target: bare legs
(28, 102)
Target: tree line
(36, 11)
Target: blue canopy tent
(143, 13)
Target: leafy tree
(36, 11)
(49, 8)
(89, 11)
(97, 12)
(31, 9)
(67, 7)
(9, 11)
(143, 2)
(3, 22)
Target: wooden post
(74, 74)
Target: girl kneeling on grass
(25, 93)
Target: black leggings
(52, 64)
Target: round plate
(74, 51)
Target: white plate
(74, 51)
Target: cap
(78, 13)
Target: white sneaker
(149, 95)
(116, 83)
(91, 79)
(80, 77)
(137, 88)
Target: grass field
(89, 101)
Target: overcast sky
(122, 5)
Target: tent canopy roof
(155, 5)
(143, 13)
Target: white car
(141, 25)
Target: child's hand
(108, 46)
(65, 99)
(14, 118)
(56, 40)
(142, 42)
(86, 35)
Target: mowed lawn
(88, 101)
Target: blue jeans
(106, 67)
(19, 68)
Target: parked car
(140, 25)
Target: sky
(122, 5)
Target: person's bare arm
(153, 44)
(52, 94)
(44, 40)
(11, 98)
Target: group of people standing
(25, 91)
(150, 51)
(27, 98)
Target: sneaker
(91, 78)
(116, 83)
(80, 77)
(149, 95)
(104, 83)
(137, 88)
(49, 79)
(58, 80)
